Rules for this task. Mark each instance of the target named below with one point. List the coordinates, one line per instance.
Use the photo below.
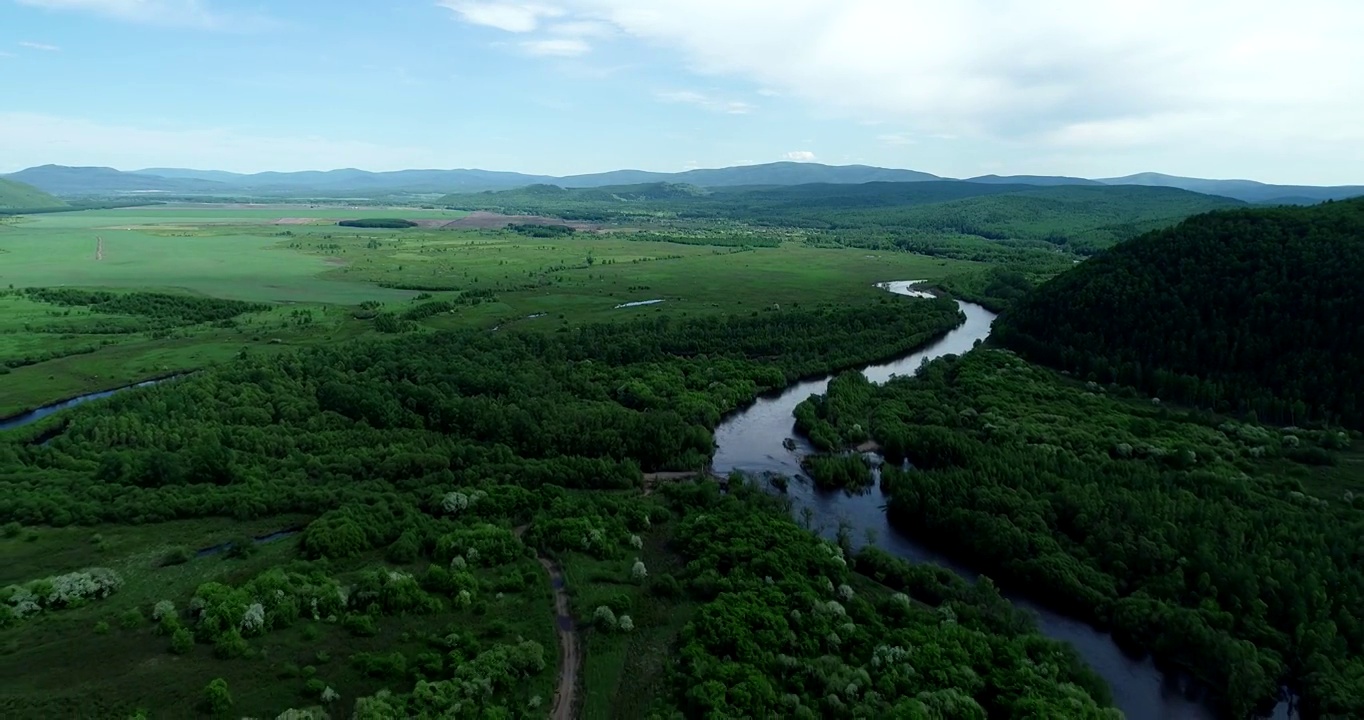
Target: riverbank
(751, 442)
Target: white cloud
(517, 17)
(38, 46)
(799, 156)
(557, 47)
(1251, 76)
(691, 97)
(37, 139)
(194, 13)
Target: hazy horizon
(1253, 90)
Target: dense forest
(588, 408)
(1192, 537)
(458, 457)
(786, 628)
(1242, 311)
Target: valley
(458, 419)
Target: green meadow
(322, 283)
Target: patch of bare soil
(335, 261)
(296, 221)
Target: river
(751, 441)
(33, 416)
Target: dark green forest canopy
(1181, 531)
(301, 432)
(1240, 310)
(381, 223)
(176, 309)
(790, 626)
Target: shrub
(360, 625)
(131, 619)
(604, 618)
(638, 571)
(178, 555)
(162, 609)
(182, 641)
(217, 699)
(625, 623)
(101, 628)
(13, 530)
(241, 548)
(230, 645)
(665, 586)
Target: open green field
(316, 275)
(237, 263)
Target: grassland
(315, 276)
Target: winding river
(751, 441)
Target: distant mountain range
(101, 181)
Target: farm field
(313, 280)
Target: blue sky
(1253, 88)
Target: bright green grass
(238, 253)
(239, 267)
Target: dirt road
(570, 655)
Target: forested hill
(1241, 310)
(15, 195)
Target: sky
(1261, 89)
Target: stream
(33, 416)
(751, 441)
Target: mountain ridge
(345, 182)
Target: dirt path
(570, 656)
(570, 659)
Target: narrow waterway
(751, 441)
(33, 416)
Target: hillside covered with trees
(1244, 310)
